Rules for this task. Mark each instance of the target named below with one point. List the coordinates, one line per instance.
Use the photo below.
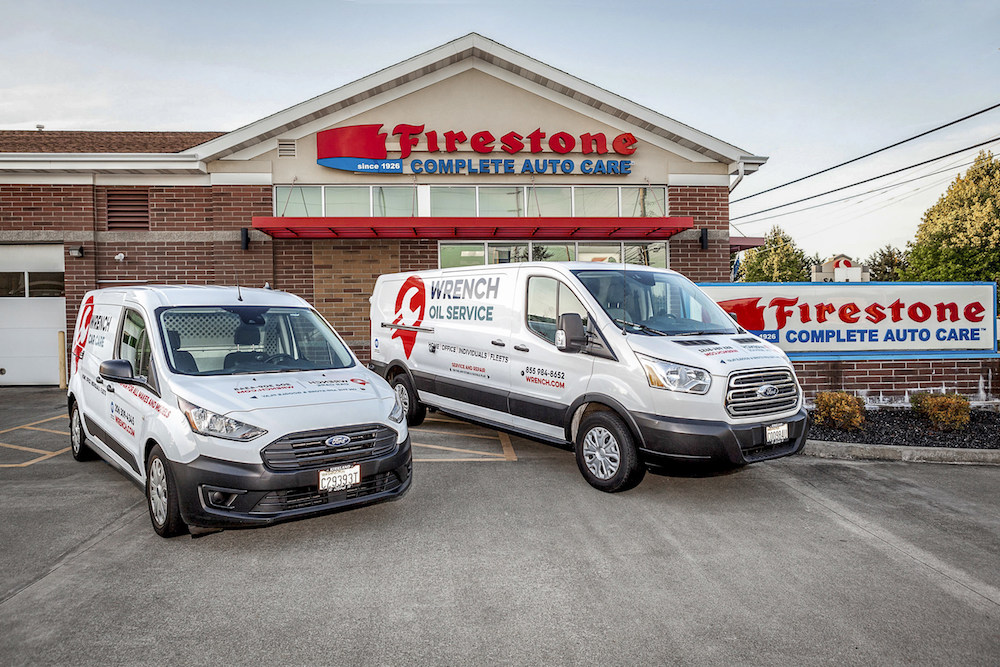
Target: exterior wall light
(76, 252)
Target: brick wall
(46, 207)
(709, 206)
(293, 267)
(895, 378)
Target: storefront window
(555, 202)
(595, 202)
(349, 201)
(394, 201)
(12, 283)
(47, 283)
(599, 252)
(647, 254)
(298, 201)
(462, 254)
(501, 202)
(647, 202)
(553, 252)
(453, 202)
(505, 253)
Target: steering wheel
(278, 358)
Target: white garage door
(32, 313)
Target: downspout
(740, 173)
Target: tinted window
(549, 298)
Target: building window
(32, 284)
(549, 202)
(595, 202)
(128, 209)
(452, 254)
(394, 201)
(644, 202)
(348, 201)
(298, 201)
(453, 202)
(12, 283)
(504, 202)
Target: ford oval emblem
(767, 391)
(338, 441)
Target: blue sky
(807, 84)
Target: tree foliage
(887, 264)
(779, 260)
(959, 236)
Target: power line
(867, 180)
(898, 143)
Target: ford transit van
(231, 407)
(629, 365)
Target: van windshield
(230, 340)
(654, 303)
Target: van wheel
(77, 439)
(161, 496)
(606, 453)
(415, 410)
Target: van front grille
(761, 392)
(309, 450)
(310, 496)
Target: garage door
(32, 313)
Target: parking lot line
(456, 449)
(48, 455)
(47, 430)
(508, 449)
(464, 435)
(40, 421)
(26, 449)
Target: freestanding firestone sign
(858, 318)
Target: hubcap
(76, 431)
(404, 398)
(601, 453)
(158, 491)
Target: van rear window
(230, 340)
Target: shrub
(947, 412)
(839, 409)
(918, 402)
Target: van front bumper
(667, 439)
(222, 494)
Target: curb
(853, 451)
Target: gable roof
(45, 141)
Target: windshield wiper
(701, 333)
(642, 327)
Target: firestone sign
(865, 317)
(365, 149)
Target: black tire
(415, 410)
(77, 437)
(606, 453)
(161, 496)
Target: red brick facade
(709, 206)
(894, 379)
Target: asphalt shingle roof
(46, 141)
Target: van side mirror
(570, 336)
(118, 370)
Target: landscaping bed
(904, 427)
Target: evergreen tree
(779, 260)
(887, 264)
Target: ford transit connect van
(231, 407)
(629, 365)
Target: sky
(807, 84)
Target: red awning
(738, 243)
(473, 228)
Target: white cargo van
(231, 407)
(628, 364)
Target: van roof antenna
(624, 294)
(239, 294)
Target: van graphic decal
(80, 337)
(411, 302)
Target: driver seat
(246, 335)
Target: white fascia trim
(103, 162)
(46, 179)
(698, 179)
(152, 179)
(387, 75)
(223, 178)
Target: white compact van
(629, 365)
(231, 407)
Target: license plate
(338, 479)
(776, 433)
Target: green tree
(779, 260)
(959, 236)
(887, 264)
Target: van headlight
(675, 377)
(398, 414)
(211, 423)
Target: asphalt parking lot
(502, 554)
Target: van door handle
(521, 348)
(498, 343)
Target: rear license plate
(776, 433)
(338, 479)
